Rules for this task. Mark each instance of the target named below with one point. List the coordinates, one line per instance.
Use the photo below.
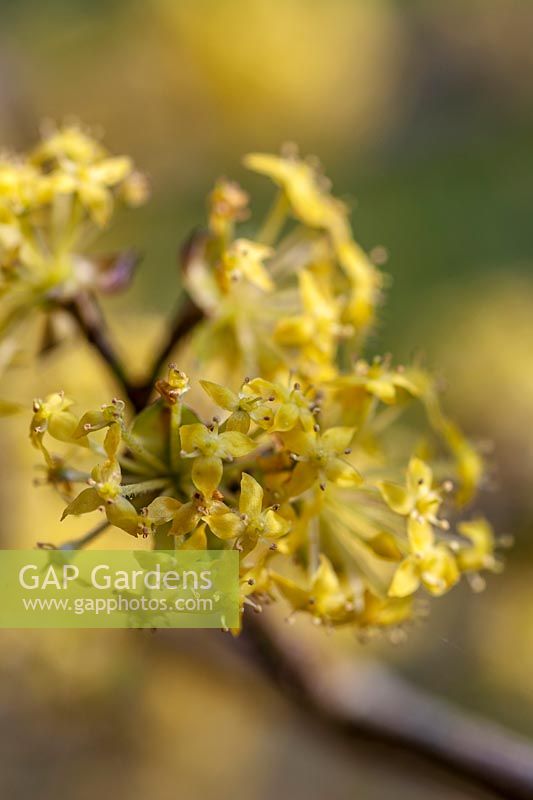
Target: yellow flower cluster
(302, 468)
(53, 201)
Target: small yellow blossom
(244, 259)
(209, 448)
(317, 330)
(251, 522)
(479, 554)
(431, 564)
(320, 458)
(417, 500)
(53, 415)
(246, 406)
(228, 203)
(288, 405)
(307, 191)
(379, 380)
(175, 386)
(106, 490)
(325, 597)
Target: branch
(77, 544)
(84, 308)
(88, 314)
(186, 316)
(368, 700)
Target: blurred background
(422, 114)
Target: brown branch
(88, 314)
(368, 700)
(84, 308)
(186, 316)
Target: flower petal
(225, 526)
(207, 474)
(251, 499)
(337, 440)
(418, 474)
(396, 497)
(341, 472)
(420, 532)
(223, 397)
(185, 519)
(235, 444)
(406, 579)
(193, 437)
(87, 501)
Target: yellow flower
(384, 612)
(309, 198)
(175, 386)
(245, 406)
(431, 564)
(290, 405)
(379, 380)
(105, 490)
(75, 163)
(479, 554)
(317, 330)
(68, 142)
(93, 184)
(96, 420)
(251, 521)
(320, 458)
(365, 280)
(325, 596)
(306, 190)
(228, 203)
(52, 415)
(186, 517)
(209, 448)
(470, 466)
(417, 500)
(244, 259)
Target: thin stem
(136, 447)
(78, 544)
(313, 547)
(186, 316)
(274, 220)
(145, 487)
(85, 310)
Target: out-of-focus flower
(53, 201)
(479, 553)
(431, 564)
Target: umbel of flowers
(301, 457)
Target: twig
(85, 310)
(368, 700)
(88, 314)
(77, 544)
(186, 316)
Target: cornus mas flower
(54, 200)
(302, 470)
